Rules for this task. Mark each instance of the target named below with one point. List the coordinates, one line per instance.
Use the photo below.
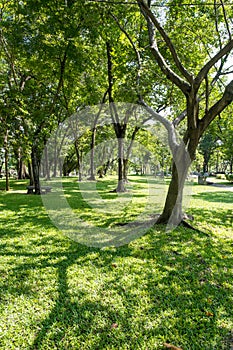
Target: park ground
(164, 287)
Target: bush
(220, 176)
(229, 177)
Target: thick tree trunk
(172, 212)
(36, 169)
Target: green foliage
(229, 177)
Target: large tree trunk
(36, 168)
(172, 212)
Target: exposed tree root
(187, 225)
(91, 178)
(118, 191)
(183, 223)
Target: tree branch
(204, 71)
(218, 107)
(9, 56)
(148, 14)
(225, 19)
(172, 139)
(180, 118)
(138, 57)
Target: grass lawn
(164, 287)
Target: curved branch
(225, 19)
(180, 118)
(218, 107)
(134, 48)
(149, 14)
(205, 70)
(172, 138)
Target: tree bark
(36, 168)
(190, 86)
(46, 160)
(79, 159)
(92, 164)
(128, 152)
(7, 184)
(125, 169)
(172, 212)
(120, 185)
(30, 173)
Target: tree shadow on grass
(220, 218)
(170, 287)
(219, 197)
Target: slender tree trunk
(55, 161)
(80, 167)
(36, 169)
(7, 186)
(120, 185)
(1, 165)
(126, 159)
(46, 160)
(79, 159)
(125, 169)
(20, 165)
(92, 165)
(60, 167)
(30, 173)
(93, 137)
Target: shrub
(229, 177)
(220, 176)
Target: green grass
(171, 287)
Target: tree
(196, 84)
(207, 147)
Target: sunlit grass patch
(173, 287)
